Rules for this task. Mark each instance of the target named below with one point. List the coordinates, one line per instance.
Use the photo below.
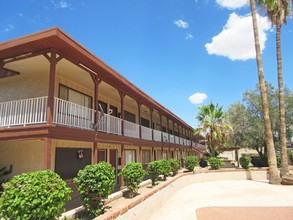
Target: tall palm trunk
(274, 177)
(284, 159)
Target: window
(74, 96)
(114, 111)
(146, 156)
(165, 155)
(129, 116)
(130, 156)
(145, 122)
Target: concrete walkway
(208, 200)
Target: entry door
(113, 161)
(102, 155)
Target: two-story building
(62, 108)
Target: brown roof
(55, 38)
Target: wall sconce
(80, 154)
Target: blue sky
(171, 49)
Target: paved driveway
(231, 193)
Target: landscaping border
(203, 174)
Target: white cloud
(236, 41)
(63, 4)
(60, 4)
(197, 98)
(232, 4)
(189, 37)
(9, 28)
(181, 24)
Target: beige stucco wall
(25, 156)
(28, 84)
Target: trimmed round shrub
(203, 163)
(133, 175)
(34, 195)
(95, 183)
(190, 162)
(215, 163)
(245, 162)
(165, 168)
(259, 161)
(154, 170)
(175, 165)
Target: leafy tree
(213, 125)
(278, 11)
(133, 175)
(33, 196)
(95, 183)
(247, 120)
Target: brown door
(113, 161)
(102, 155)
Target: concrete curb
(112, 214)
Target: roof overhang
(58, 40)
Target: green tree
(247, 121)
(214, 126)
(278, 11)
(274, 177)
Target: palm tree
(213, 125)
(277, 12)
(274, 177)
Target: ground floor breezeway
(67, 157)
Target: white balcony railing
(23, 112)
(34, 111)
(157, 135)
(172, 139)
(73, 115)
(165, 137)
(109, 124)
(131, 129)
(146, 133)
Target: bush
(175, 165)
(165, 168)
(290, 155)
(245, 162)
(190, 162)
(203, 163)
(4, 172)
(154, 170)
(215, 163)
(133, 175)
(35, 195)
(259, 161)
(95, 183)
(279, 161)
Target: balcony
(23, 112)
(34, 111)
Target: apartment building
(62, 108)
